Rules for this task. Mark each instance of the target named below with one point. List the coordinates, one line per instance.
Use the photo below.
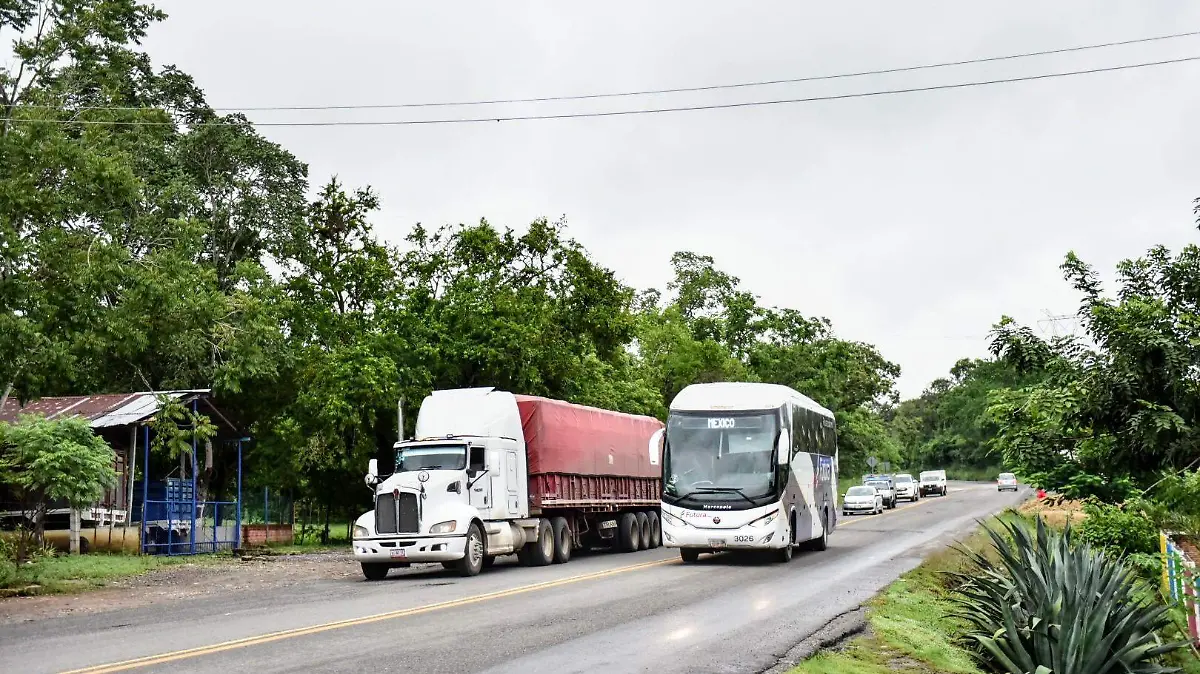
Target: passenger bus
(748, 466)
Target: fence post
(266, 515)
(1189, 598)
(1172, 571)
(1166, 577)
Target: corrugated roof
(104, 410)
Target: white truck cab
(457, 494)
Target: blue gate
(175, 523)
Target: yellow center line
(189, 653)
(172, 656)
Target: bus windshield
(727, 455)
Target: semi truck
(490, 473)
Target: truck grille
(392, 520)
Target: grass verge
(908, 631)
(58, 574)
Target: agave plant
(1050, 605)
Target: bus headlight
(672, 520)
(442, 527)
(361, 531)
(765, 520)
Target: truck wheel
(562, 540)
(628, 533)
(643, 521)
(472, 562)
(655, 530)
(688, 555)
(374, 571)
(540, 552)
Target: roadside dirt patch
(1056, 511)
(185, 581)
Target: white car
(906, 487)
(886, 489)
(862, 499)
(933, 482)
(1006, 482)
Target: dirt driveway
(185, 581)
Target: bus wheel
(819, 544)
(784, 554)
(655, 530)
(689, 555)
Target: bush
(1072, 481)
(1051, 605)
(1122, 530)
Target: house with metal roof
(123, 419)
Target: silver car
(862, 499)
(1006, 482)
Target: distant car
(906, 487)
(886, 489)
(1006, 482)
(933, 482)
(862, 499)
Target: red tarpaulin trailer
(588, 458)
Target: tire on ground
(643, 522)
(655, 529)
(374, 570)
(628, 533)
(562, 539)
(475, 552)
(540, 551)
(689, 555)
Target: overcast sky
(912, 221)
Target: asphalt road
(638, 612)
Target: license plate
(716, 542)
(398, 553)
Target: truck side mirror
(372, 478)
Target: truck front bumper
(414, 549)
(747, 537)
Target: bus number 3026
(743, 539)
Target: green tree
(47, 461)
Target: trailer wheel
(562, 540)
(643, 521)
(374, 571)
(689, 555)
(655, 530)
(628, 533)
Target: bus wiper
(718, 490)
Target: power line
(640, 111)
(677, 90)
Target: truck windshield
(720, 456)
(431, 457)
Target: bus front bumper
(741, 538)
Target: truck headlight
(765, 520)
(443, 527)
(672, 520)
(361, 531)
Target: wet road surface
(637, 612)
